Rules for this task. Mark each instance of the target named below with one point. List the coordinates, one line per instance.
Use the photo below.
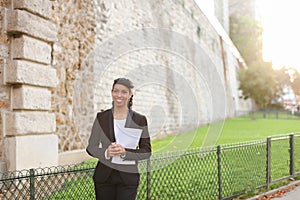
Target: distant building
(245, 8)
(289, 100)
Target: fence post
(148, 179)
(31, 181)
(292, 149)
(268, 163)
(219, 171)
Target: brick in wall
(20, 123)
(29, 48)
(25, 22)
(27, 97)
(26, 72)
(38, 7)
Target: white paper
(119, 160)
(128, 138)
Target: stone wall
(27, 76)
(59, 58)
(182, 62)
(222, 13)
(72, 100)
(4, 90)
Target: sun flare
(281, 32)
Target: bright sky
(281, 36)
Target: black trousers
(115, 189)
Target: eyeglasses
(123, 92)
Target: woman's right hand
(115, 150)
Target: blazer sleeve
(144, 146)
(94, 147)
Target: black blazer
(103, 135)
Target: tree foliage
(283, 79)
(258, 82)
(295, 81)
(288, 77)
(246, 34)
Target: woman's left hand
(116, 150)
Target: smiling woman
(281, 41)
(119, 139)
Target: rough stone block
(24, 72)
(4, 99)
(21, 123)
(41, 7)
(21, 21)
(3, 166)
(32, 98)
(31, 151)
(29, 48)
(1, 71)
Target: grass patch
(234, 130)
(194, 176)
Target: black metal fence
(220, 172)
(271, 114)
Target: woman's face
(120, 95)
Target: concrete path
(292, 195)
(291, 192)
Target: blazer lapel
(111, 127)
(131, 120)
(107, 125)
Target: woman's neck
(120, 113)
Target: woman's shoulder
(139, 118)
(137, 114)
(104, 112)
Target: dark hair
(127, 83)
(124, 81)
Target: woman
(119, 139)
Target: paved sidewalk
(293, 195)
(290, 192)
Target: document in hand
(128, 138)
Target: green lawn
(194, 176)
(242, 168)
(243, 129)
(234, 130)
